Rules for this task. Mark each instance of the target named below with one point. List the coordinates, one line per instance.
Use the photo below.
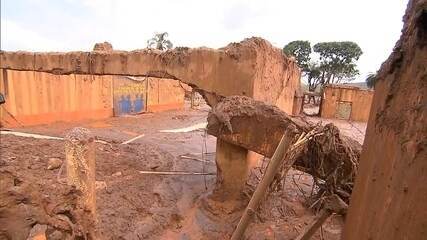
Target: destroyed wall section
(252, 68)
(278, 81)
(389, 200)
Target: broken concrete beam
(258, 127)
(251, 124)
(80, 165)
(252, 67)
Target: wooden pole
(262, 187)
(333, 204)
(80, 165)
(316, 224)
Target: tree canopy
(160, 41)
(338, 60)
(301, 50)
(314, 76)
(336, 63)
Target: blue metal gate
(129, 95)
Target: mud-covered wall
(39, 98)
(389, 201)
(277, 83)
(360, 100)
(252, 68)
(165, 94)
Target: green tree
(371, 79)
(337, 61)
(301, 50)
(160, 41)
(314, 76)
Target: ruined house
(346, 102)
(36, 97)
(389, 197)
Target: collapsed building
(246, 126)
(253, 68)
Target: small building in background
(346, 102)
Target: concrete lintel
(251, 124)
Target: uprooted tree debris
(331, 158)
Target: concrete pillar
(80, 162)
(232, 168)
(253, 159)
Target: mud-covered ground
(355, 130)
(131, 205)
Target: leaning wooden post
(276, 160)
(333, 204)
(80, 163)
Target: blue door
(129, 96)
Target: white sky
(43, 25)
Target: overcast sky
(63, 25)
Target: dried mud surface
(131, 205)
